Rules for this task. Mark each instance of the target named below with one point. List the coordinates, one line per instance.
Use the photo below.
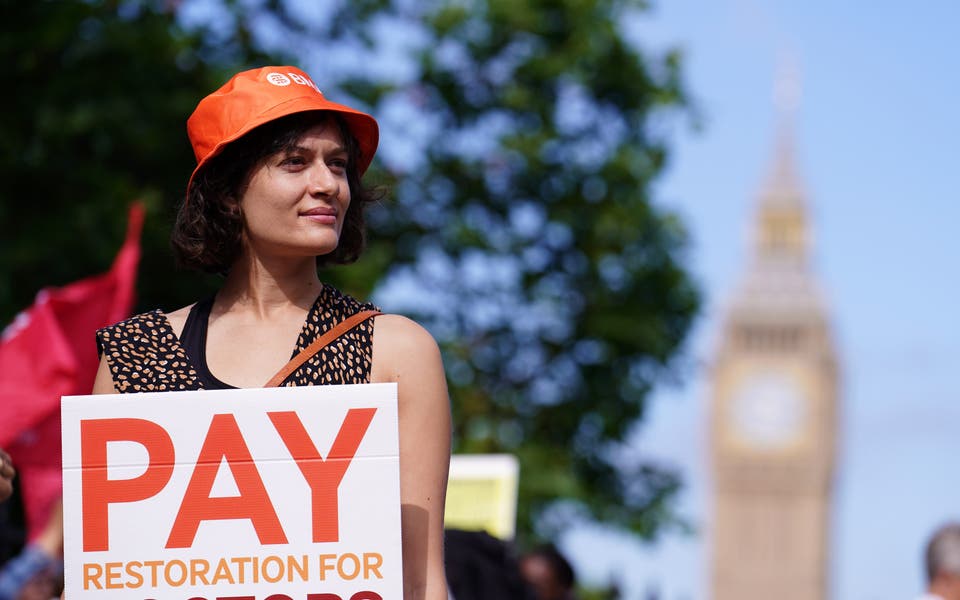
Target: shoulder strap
(318, 344)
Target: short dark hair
(207, 232)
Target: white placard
(264, 494)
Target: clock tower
(773, 410)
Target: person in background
(942, 562)
(7, 473)
(549, 573)
(480, 566)
(12, 518)
(37, 572)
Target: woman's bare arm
(405, 353)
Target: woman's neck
(263, 287)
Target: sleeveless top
(193, 338)
(145, 355)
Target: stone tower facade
(774, 410)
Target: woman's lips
(327, 216)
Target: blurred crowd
(482, 567)
(31, 567)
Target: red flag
(49, 351)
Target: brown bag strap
(318, 344)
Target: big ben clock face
(768, 409)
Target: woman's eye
(292, 161)
(338, 163)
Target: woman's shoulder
(138, 335)
(152, 325)
(144, 354)
(133, 325)
(343, 304)
(402, 332)
(402, 346)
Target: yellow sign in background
(482, 494)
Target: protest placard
(265, 494)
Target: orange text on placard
(223, 442)
(235, 570)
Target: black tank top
(193, 338)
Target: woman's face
(296, 200)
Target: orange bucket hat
(252, 98)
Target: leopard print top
(145, 355)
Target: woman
(276, 192)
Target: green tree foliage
(523, 216)
(95, 120)
(519, 225)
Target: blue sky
(878, 143)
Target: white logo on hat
(278, 79)
(303, 80)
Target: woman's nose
(323, 181)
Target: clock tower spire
(774, 402)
